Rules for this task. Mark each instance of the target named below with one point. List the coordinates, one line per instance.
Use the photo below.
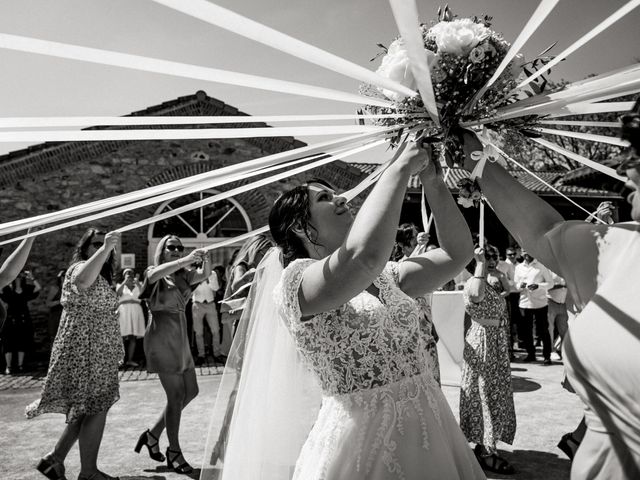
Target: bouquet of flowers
(463, 54)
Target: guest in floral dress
(487, 413)
(82, 381)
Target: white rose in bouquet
(458, 37)
(395, 66)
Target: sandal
(172, 456)
(568, 445)
(149, 440)
(51, 468)
(493, 462)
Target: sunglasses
(173, 248)
(492, 257)
(511, 254)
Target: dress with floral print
(487, 413)
(83, 370)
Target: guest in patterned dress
(82, 381)
(487, 413)
(356, 325)
(167, 286)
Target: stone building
(54, 176)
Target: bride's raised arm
(351, 260)
(430, 270)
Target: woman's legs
(131, 348)
(66, 441)
(8, 358)
(89, 440)
(20, 360)
(180, 390)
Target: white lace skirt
(131, 320)
(404, 431)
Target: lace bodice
(366, 343)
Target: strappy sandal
(153, 447)
(51, 468)
(172, 456)
(496, 464)
(568, 445)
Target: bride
(339, 385)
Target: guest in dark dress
(9, 271)
(17, 330)
(167, 286)
(54, 305)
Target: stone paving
(544, 412)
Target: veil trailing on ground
(267, 400)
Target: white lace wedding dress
(383, 416)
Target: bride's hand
(415, 156)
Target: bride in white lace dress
(356, 326)
(354, 320)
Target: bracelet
(475, 276)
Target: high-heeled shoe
(184, 467)
(153, 447)
(51, 468)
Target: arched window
(201, 226)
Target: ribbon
(37, 122)
(481, 224)
(198, 204)
(579, 123)
(406, 14)
(617, 15)
(223, 18)
(591, 137)
(148, 64)
(536, 19)
(213, 176)
(181, 133)
(579, 158)
(515, 162)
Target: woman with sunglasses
(82, 380)
(601, 264)
(167, 286)
(487, 412)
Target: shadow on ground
(160, 470)
(535, 464)
(521, 384)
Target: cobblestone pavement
(544, 412)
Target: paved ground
(544, 411)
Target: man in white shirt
(558, 316)
(533, 280)
(204, 307)
(508, 267)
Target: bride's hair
(291, 210)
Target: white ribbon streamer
(591, 137)
(180, 134)
(39, 122)
(579, 158)
(586, 108)
(137, 62)
(541, 180)
(481, 224)
(406, 14)
(580, 123)
(240, 25)
(543, 10)
(219, 174)
(197, 204)
(617, 15)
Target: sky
(36, 85)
